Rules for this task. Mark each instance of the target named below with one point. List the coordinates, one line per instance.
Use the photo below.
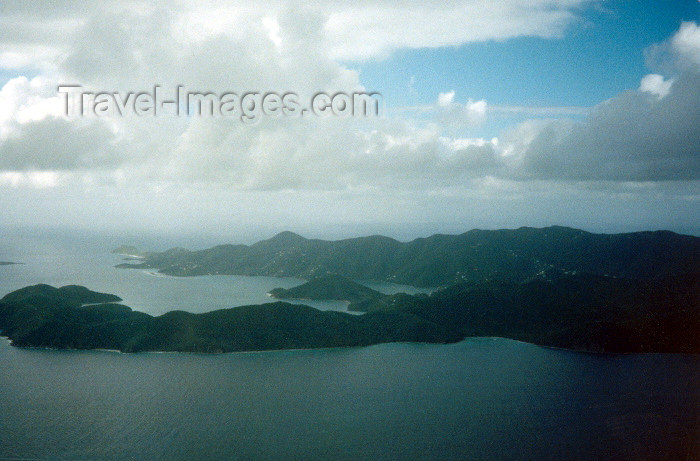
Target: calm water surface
(479, 399)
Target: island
(584, 312)
(476, 256)
(329, 287)
(128, 250)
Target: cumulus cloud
(35, 179)
(166, 172)
(649, 134)
(679, 53)
(445, 99)
(455, 114)
(36, 135)
(646, 135)
(23, 100)
(361, 30)
(686, 44)
(216, 47)
(633, 137)
(656, 85)
(327, 154)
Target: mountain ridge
(443, 259)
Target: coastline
(308, 299)
(306, 349)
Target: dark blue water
(479, 399)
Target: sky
(498, 114)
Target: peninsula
(581, 312)
(329, 287)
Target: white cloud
(23, 100)
(632, 137)
(656, 85)
(686, 43)
(445, 99)
(477, 109)
(213, 45)
(680, 53)
(364, 30)
(36, 34)
(34, 179)
(457, 115)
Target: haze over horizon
(579, 113)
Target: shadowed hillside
(475, 256)
(583, 312)
(330, 287)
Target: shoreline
(307, 299)
(306, 349)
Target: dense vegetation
(585, 312)
(45, 316)
(475, 256)
(332, 287)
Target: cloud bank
(647, 135)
